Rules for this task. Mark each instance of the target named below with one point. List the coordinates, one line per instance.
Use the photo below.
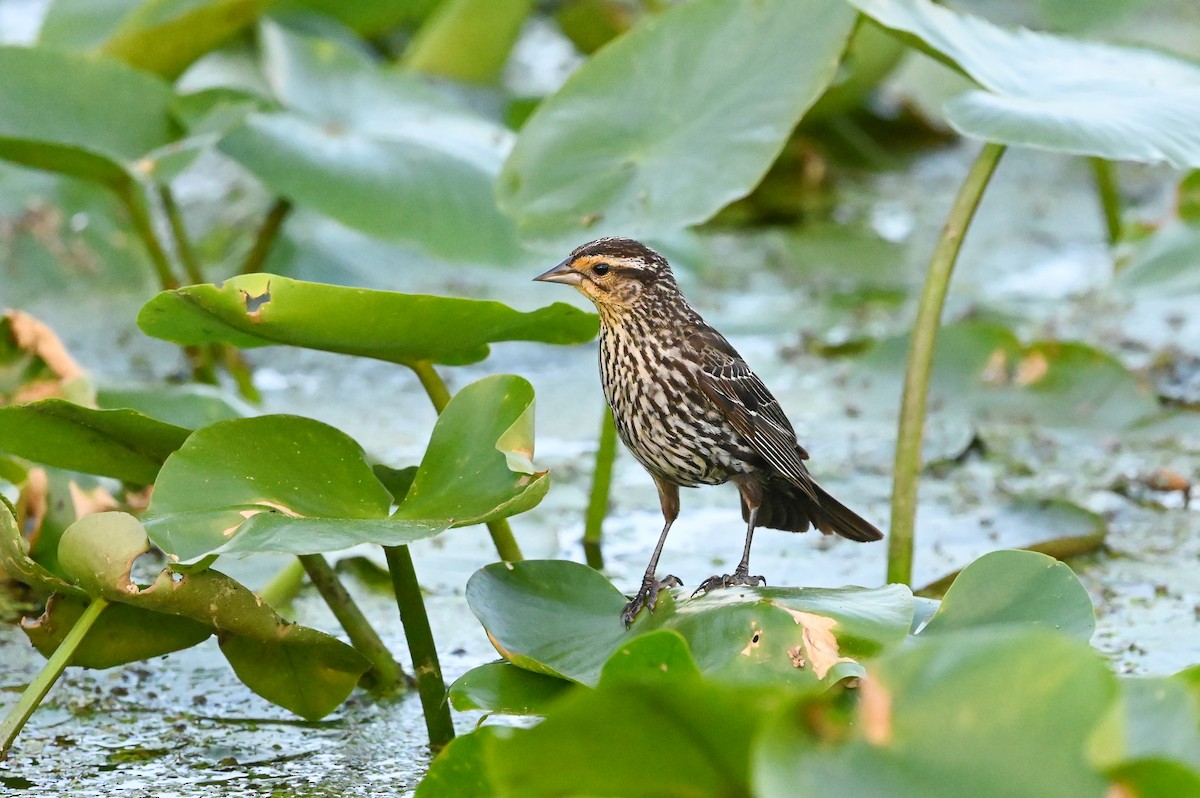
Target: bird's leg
(751, 492)
(647, 595)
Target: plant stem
(386, 677)
(1105, 175)
(265, 240)
(41, 684)
(139, 217)
(920, 363)
(428, 671)
(439, 394)
(183, 243)
(597, 507)
(284, 586)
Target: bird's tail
(786, 507)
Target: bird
(691, 411)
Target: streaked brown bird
(691, 410)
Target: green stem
(386, 677)
(183, 243)
(597, 507)
(920, 363)
(439, 394)
(1105, 175)
(41, 684)
(284, 586)
(430, 685)
(265, 240)
(139, 217)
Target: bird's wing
(748, 406)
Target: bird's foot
(728, 580)
(647, 596)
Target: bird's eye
(601, 269)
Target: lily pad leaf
(505, 688)
(1016, 587)
(122, 444)
(376, 149)
(263, 309)
(1054, 93)
(122, 634)
(628, 144)
(984, 369)
(563, 619)
(105, 115)
(291, 484)
(1152, 720)
(288, 470)
(189, 406)
(298, 668)
(959, 709)
(17, 564)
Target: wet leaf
(105, 115)
(122, 444)
(300, 669)
(376, 149)
(960, 709)
(291, 484)
(628, 144)
(1054, 93)
(563, 619)
(262, 309)
(122, 634)
(505, 688)
(1016, 587)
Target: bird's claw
(647, 596)
(728, 580)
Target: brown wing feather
(748, 406)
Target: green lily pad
(166, 37)
(1165, 265)
(662, 655)
(189, 406)
(294, 485)
(122, 444)
(1015, 587)
(629, 143)
(376, 149)
(984, 370)
(1054, 93)
(459, 768)
(17, 564)
(122, 634)
(1153, 720)
(678, 737)
(563, 619)
(263, 309)
(104, 117)
(1007, 711)
(298, 668)
(502, 687)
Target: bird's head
(615, 273)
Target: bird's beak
(562, 273)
